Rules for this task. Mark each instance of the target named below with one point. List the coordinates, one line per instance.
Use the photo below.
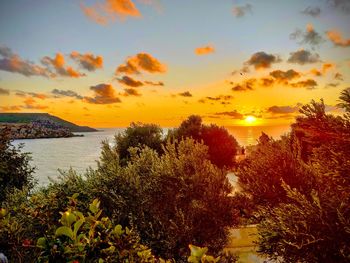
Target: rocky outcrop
(35, 130)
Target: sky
(107, 63)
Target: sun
(249, 119)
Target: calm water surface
(82, 152)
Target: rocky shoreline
(36, 130)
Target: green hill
(30, 117)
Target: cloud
(312, 11)
(223, 99)
(331, 85)
(141, 62)
(337, 38)
(12, 62)
(262, 60)
(325, 68)
(310, 36)
(58, 64)
(204, 50)
(66, 93)
(232, 114)
(10, 108)
(87, 61)
(308, 84)
(41, 96)
(4, 91)
(108, 10)
(240, 11)
(158, 83)
(31, 104)
(285, 76)
(131, 92)
(128, 81)
(103, 94)
(282, 109)
(245, 86)
(303, 57)
(341, 5)
(185, 94)
(266, 82)
(338, 76)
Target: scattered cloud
(10, 108)
(41, 96)
(283, 109)
(108, 10)
(200, 51)
(240, 11)
(312, 11)
(338, 76)
(158, 83)
(308, 84)
(128, 81)
(87, 61)
(103, 94)
(185, 94)
(4, 91)
(232, 114)
(302, 57)
(337, 38)
(332, 85)
(222, 99)
(246, 85)
(341, 5)
(285, 76)
(310, 36)
(141, 62)
(262, 60)
(12, 62)
(320, 72)
(58, 64)
(266, 82)
(131, 92)
(31, 104)
(66, 93)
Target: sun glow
(250, 120)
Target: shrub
(15, 171)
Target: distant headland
(39, 125)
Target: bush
(15, 171)
(172, 200)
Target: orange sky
(110, 62)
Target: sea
(80, 153)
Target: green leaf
(77, 226)
(198, 251)
(94, 206)
(41, 242)
(64, 231)
(118, 230)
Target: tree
(172, 199)
(222, 147)
(15, 171)
(138, 134)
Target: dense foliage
(15, 171)
(169, 200)
(300, 187)
(222, 146)
(138, 134)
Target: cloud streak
(200, 51)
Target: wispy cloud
(240, 11)
(87, 61)
(337, 38)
